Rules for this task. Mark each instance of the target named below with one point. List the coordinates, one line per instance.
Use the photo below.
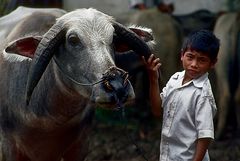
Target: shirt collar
(200, 81)
(196, 82)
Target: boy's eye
(203, 60)
(189, 56)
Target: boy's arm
(202, 146)
(155, 98)
(153, 64)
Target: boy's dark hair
(203, 41)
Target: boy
(187, 101)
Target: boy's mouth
(193, 73)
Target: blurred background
(135, 135)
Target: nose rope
(106, 76)
(110, 73)
(124, 121)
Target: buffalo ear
(24, 46)
(122, 46)
(144, 35)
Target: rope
(124, 120)
(75, 81)
(108, 75)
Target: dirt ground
(126, 142)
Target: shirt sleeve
(168, 87)
(204, 114)
(163, 94)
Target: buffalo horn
(138, 45)
(43, 55)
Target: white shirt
(188, 112)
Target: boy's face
(195, 64)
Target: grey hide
(8, 22)
(51, 82)
(228, 73)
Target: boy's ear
(213, 63)
(181, 54)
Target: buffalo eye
(73, 39)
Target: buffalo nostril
(108, 86)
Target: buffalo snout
(115, 89)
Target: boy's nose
(194, 63)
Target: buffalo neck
(56, 100)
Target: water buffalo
(228, 72)
(50, 84)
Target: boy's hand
(153, 65)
